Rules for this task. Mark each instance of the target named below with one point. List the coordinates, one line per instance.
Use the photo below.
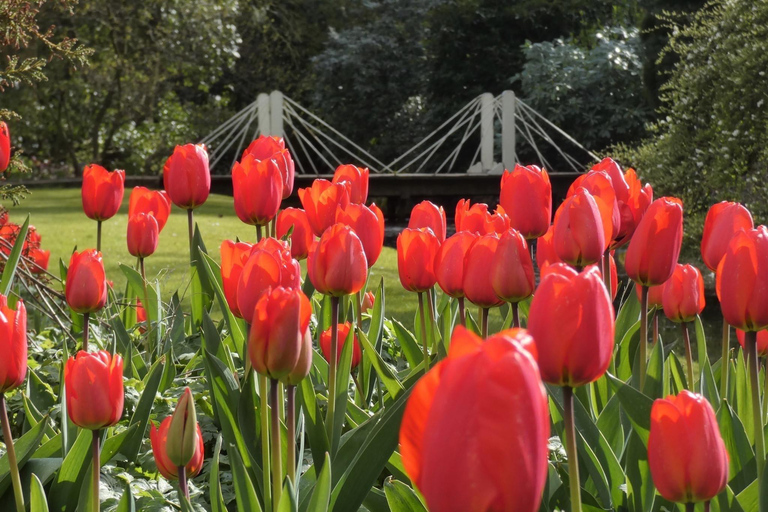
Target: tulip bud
(337, 265)
(156, 202)
(655, 245)
(269, 147)
(186, 176)
(631, 207)
(428, 215)
(269, 265)
(258, 190)
(158, 438)
(449, 263)
(683, 296)
(598, 183)
(303, 365)
(511, 268)
(368, 301)
(416, 253)
(13, 344)
(102, 192)
(143, 232)
(183, 439)
(302, 235)
(368, 225)
(341, 340)
(478, 286)
(94, 389)
(357, 179)
(86, 285)
(5, 146)
(723, 221)
(579, 236)
(233, 259)
(526, 196)
(477, 218)
(545, 249)
(321, 201)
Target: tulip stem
(655, 325)
(724, 360)
(86, 322)
(264, 412)
(688, 355)
(277, 470)
(13, 464)
(96, 469)
(690, 507)
(706, 506)
(570, 448)
(643, 332)
(332, 364)
(484, 321)
(359, 309)
(191, 228)
(183, 487)
(98, 235)
(424, 337)
(291, 424)
(515, 315)
(750, 342)
(258, 234)
(432, 323)
(462, 312)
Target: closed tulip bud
(742, 280)
(13, 343)
(141, 315)
(655, 295)
(526, 196)
(449, 264)
(183, 440)
(683, 297)
(321, 201)
(429, 215)
(268, 147)
(303, 365)
(655, 246)
(571, 321)
(723, 221)
(234, 255)
(159, 439)
(86, 286)
(258, 189)
(186, 176)
(478, 285)
(279, 324)
(579, 235)
(545, 249)
(598, 183)
(511, 268)
(368, 225)
(482, 388)
(416, 253)
(762, 341)
(686, 453)
(5, 146)
(477, 218)
(38, 260)
(357, 178)
(369, 299)
(102, 192)
(301, 237)
(94, 389)
(156, 202)
(341, 340)
(337, 264)
(143, 232)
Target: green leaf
(315, 426)
(143, 410)
(384, 372)
(288, 501)
(629, 315)
(342, 389)
(741, 458)
(402, 498)
(321, 494)
(65, 489)
(25, 446)
(245, 493)
(127, 503)
(640, 487)
(214, 484)
(411, 349)
(6, 281)
(37, 501)
(654, 384)
(636, 405)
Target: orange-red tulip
(341, 339)
(303, 365)
(13, 343)
(571, 320)
(158, 438)
(38, 260)
(631, 208)
(449, 264)
(266, 147)
(511, 268)
(268, 265)
(428, 215)
(156, 202)
(337, 264)
(526, 196)
(368, 224)
(258, 189)
(762, 341)
(614, 277)
(683, 297)
(141, 315)
(723, 220)
(186, 176)
(686, 453)
(321, 201)
(416, 253)
(598, 183)
(579, 233)
(102, 192)
(655, 295)
(302, 235)
(143, 232)
(545, 249)
(455, 439)
(94, 389)
(478, 285)
(5, 146)
(357, 178)
(477, 219)
(369, 299)
(86, 286)
(655, 246)
(279, 324)
(234, 255)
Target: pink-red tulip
(86, 285)
(477, 218)
(632, 208)
(545, 249)
(158, 438)
(341, 339)
(102, 192)
(723, 220)
(186, 176)
(337, 264)
(94, 389)
(598, 183)
(511, 268)
(416, 253)
(5, 146)
(258, 189)
(428, 215)
(655, 246)
(526, 196)
(357, 178)
(368, 224)
(321, 201)
(269, 265)
(234, 255)
(579, 233)
(683, 296)
(13, 343)
(268, 147)
(301, 237)
(478, 284)
(156, 202)
(143, 232)
(449, 264)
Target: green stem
(291, 424)
(332, 364)
(424, 337)
(95, 454)
(98, 235)
(462, 312)
(570, 448)
(86, 323)
(183, 485)
(191, 229)
(277, 470)
(484, 321)
(515, 315)
(359, 309)
(706, 506)
(14, 465)
(688, 355)
(655, 321)
(750, 341)
(146, 305)
(264, 413)
(690, 507)
(432, 323)
(643, 333)
(281, 401)
(724, 360)
(258, 234)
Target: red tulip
(429, 215)
(449, 263)
(94, 389)
(321, 202)
(302, 235)
(455, 435)
(86, 285)
(632, 208)
(368, 224)
(655, 246)
(369, 299)
(655, 295)
(337, 264)
(723, 220)
(5, 146)
(233, 258)
(303, 365)
(158, 438)
(186, 176)
(683, 297)
(742, 280)
(526, 196)
(416, 253)
(357, 178)
(686, 453)
(13, 342)
(267, 147)
(258, 189)
(341, 339)
(102, 192)
(156, 202)
(38, 260)
(545, 249)
(280, 322)
(614, 277)
(762, 341)
(579, 233)
(511, 269)
(477, 219)
(478, 286)
(143, 232)
(269, 265)
(598, 183)
(141, 315)
(571, 321)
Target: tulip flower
(598, 183)
(258, 189)
(511, 271)
(38, 260)
(143, 232)
(454, 437)
(545, 249)
(357, 178)
(655, 295)
(478, 285)
(86, 285)
(369, 299)
(183, 440)
(321, 202)
(449, 267)
(341, 339)
(476, 218)
(268, 147)
(141, 315)
(102, 193)
(683, 300)
(299, 373)
(428, 215)
(368, 225)
(762, 341)
(5, 146)
(723, 220)
(234, 255)
(159, 439)
(301, 237)
(416, 253)
(686, 453)
(579, 232)
(156, 202)
(269, 265)
(631, 208)
(337, 265)
(94, 389)
(655, 245)
(614, 276)
(526, 196)
(186, 177)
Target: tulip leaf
(629, 315)
(127, 503)
(288, 501)
(726, 502)
(654, 384)
(213, 272)
(131, 446)
(137, 283)
(384, 372)
(315, 426)
(408, 344)
(6, 281)
(245, 493)
(636, 405)
(214, 484)
(37, 501)
(375, 335)
(402, 498)
(342, 390)
(307, 287)
(742, 469)
(321, 494)
(639, 485)
(626, 352)
(25, 446)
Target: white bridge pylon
(318, 148)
